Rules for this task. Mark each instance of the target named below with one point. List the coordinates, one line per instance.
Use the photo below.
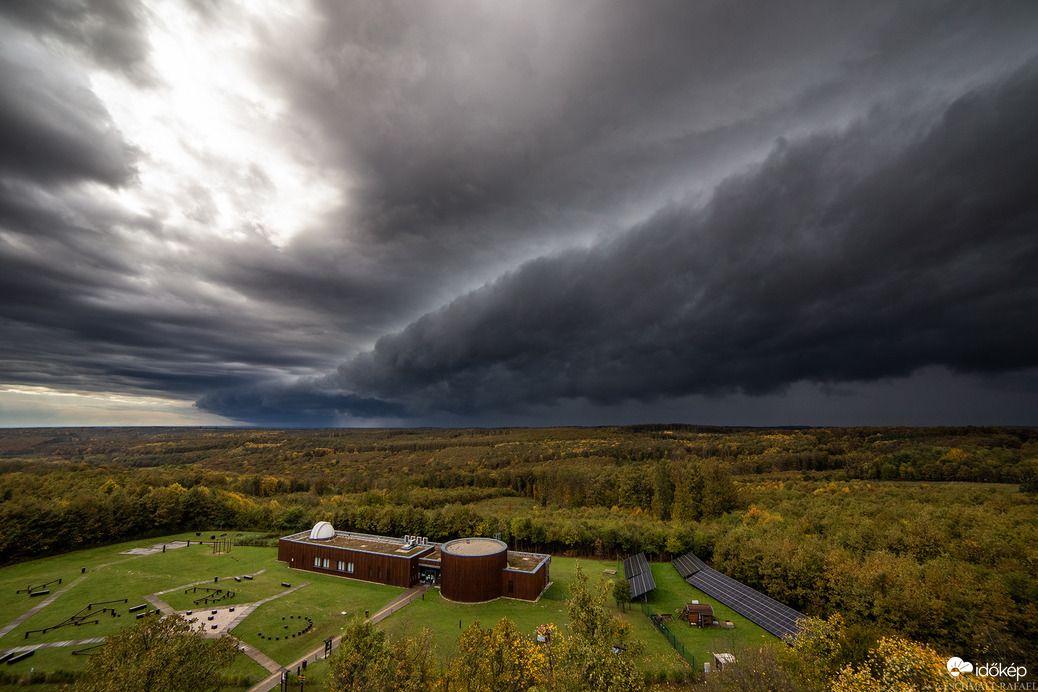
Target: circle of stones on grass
(290, 622)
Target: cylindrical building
(471, 569)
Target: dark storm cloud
(107, 31)
(466, 139)
(52, 127)
(476, 134)
(855, 255)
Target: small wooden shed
(700, 614)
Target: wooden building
(468, 570)
(700, 614)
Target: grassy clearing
(445, 620)
(670, 596)
(246, 591)
(111, 575)
(323, 601)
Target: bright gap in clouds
(219, 153)
(28, 406)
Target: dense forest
(926, 533)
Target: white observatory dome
(321, 531)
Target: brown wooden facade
(395, 570)
(472, 578)
(463, 578)
(700, 614)
(527, 586)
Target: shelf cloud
(467, 213)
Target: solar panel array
(779, 619)
(687, 565)
(638, 575)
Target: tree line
(802, 515)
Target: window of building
(341, 566)
(317, 562)
(326, 563)
(349, 567)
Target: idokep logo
(956, 666)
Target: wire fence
(661, 626)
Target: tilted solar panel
(636, 564)
(779, 619)
(639, 575)
(641, 584)
(687, 565)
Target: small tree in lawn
(600, 654)
(622, 593)
(158, 654)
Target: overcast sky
(518, 213)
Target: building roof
(383, 545)
(639, 575)
(699, 608)
(472, 547)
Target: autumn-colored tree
(622, 593)
(600, 654)
(818, 652)
(895, 665)
(363, 661)
(756, 669)
(662, 490)
(368, 660)
(501, 658)
(414, 667)
(158, 654)
(719, 492)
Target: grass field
(109, 575)
(670, 596)
(328, 601)
(445, 620)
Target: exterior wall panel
(526, 586)
(475, 571)
(383, 569)
(472, 578)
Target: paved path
(396, 604)
(259, 657)
(226, 621)
(53, 645)
(32, 611)
(199, 583)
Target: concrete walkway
(258, 656)
(225, 620)
(32, 611)
(397, 603)
(385, 611)
(53, 645)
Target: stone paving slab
(157, 548)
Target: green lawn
(446, 620)
(671, 594)
(110, 576)
(323, 601)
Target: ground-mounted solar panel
(639, 575)
(687, 565)
(636, 564)
(779, 619)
